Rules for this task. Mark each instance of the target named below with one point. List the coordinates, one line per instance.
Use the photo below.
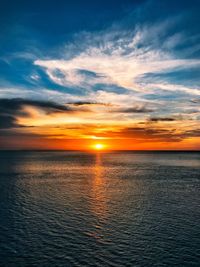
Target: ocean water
(99, 209)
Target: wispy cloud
(120, 58)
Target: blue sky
(139, 58)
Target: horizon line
(102, 151)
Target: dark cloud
(17, 103)
(151, 134)
(7, 121)
(163, 119)
(82, 103)
(10, 109)
(193, 133)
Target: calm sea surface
(106, 209)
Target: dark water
(115, 209)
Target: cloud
(11, 109)
(142, 133)
(118, 70)
(193, 133)
(121, 58)
(88, 103)
(147, 133)
(7, 121)
(134, 109)
(195, 101)
(165, 86)
(16, 105)
(164, 119)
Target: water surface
(106, 209)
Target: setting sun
(99, 146)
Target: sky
(124, 74)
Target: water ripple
(112, 209)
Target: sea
(64, 208)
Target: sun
(98, 146)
